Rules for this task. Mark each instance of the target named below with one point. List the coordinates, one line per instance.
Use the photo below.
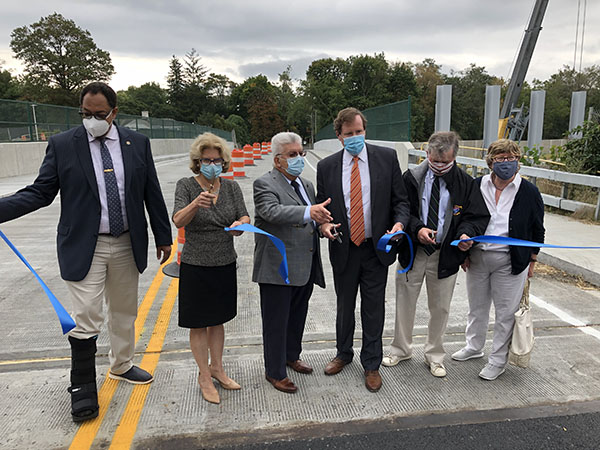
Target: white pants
(489, 280)
(113, 277)
(439, 296)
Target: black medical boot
(84, 395)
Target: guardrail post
(564, 191)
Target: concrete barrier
(327, 146)
(23, 158)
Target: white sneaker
(491, 372)
(392, 360)
(464, 354)
(437, 370)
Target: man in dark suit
(368, 199)
(285, 206)
(106, 176)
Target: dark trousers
(364, 270)
(283, 310)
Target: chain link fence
(26, 122)
(389, 122)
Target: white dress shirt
(499, 213)
(304, 196)
(114, 148)
(365, 180)
(443, 205)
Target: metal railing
(477, 167)
(27, 121)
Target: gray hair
(442, 142)
(283, 138)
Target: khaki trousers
(113, 277)
(439, 296)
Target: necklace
(210, 187)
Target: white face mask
(97, 127)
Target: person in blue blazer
(107, 179)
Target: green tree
(366, 81)
(468, 100)
(194, 73)
(428, 76)
(324, 86)
(176, 85)
(256, 100)
(148, 97)
(559, 88)
(59, 57)
(10, 88)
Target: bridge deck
(34, 357)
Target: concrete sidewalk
(170, 413)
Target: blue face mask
(295, 166)
(211, 171)
(505, 169)
(354, 144)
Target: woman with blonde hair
(497, 273)
(204, 205)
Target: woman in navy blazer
(497, 273)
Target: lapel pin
(127, 142)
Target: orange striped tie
(357, 218)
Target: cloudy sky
(245, 38)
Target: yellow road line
(86, 433)
(127, 427)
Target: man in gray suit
(285, 206)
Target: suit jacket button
(311, 249)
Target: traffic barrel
(248, 155)
(269, 147)
(263, 149)
(256, 150)
(237, 162)
(172, 269)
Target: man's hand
(464, 246)
(165, 251)
(327, 230)
(204, 200)
(397, 227)
(235, 232)
(319, 213)
(425, 236)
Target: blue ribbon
(384, 245)
(66, 321)
(283, 267)
(502, 240)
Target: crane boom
(525, 53)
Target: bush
(583, 155)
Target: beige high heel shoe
(228, 383)
(209, 392)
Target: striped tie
(432, 214)
(357, 218)
(113, 201)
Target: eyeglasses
(98, 115)
(500, 159)
(216, 161)
(293, 154)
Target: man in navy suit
(106, 176)
(368, 200)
